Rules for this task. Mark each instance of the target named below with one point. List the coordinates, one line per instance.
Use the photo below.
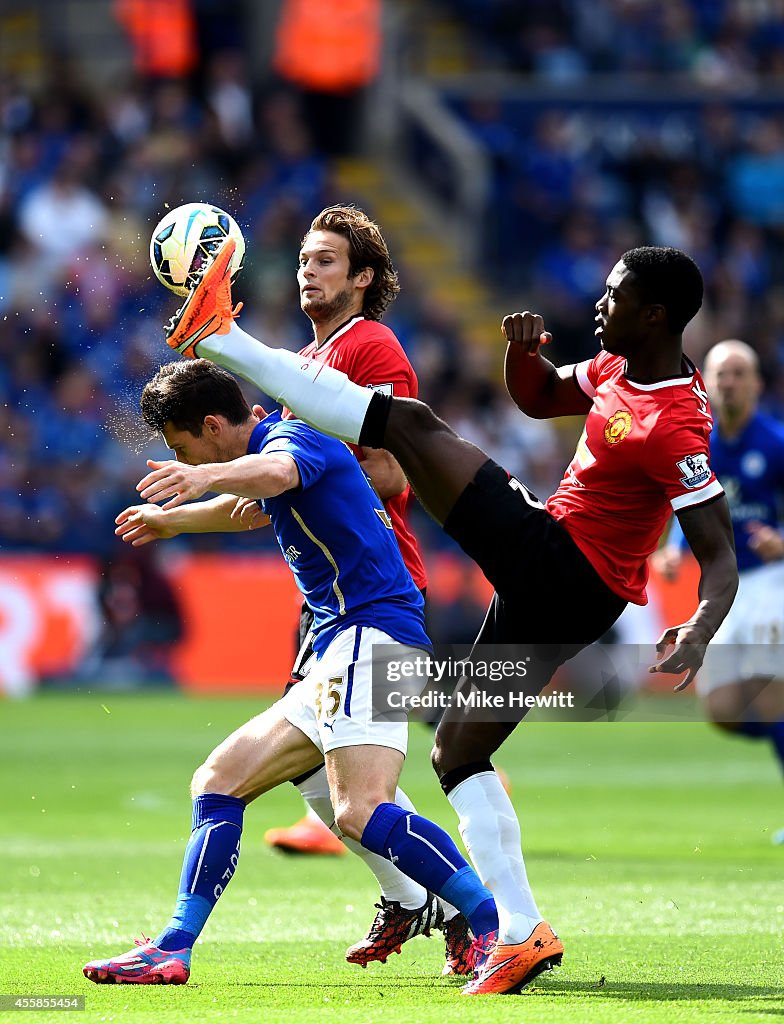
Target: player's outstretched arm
(708, 530)
(250, 476)
(536, 386)
(141, 524)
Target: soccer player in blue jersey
(338, 541)
(741, 682)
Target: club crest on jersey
(695, 470)
(753, 464)
(617, 426)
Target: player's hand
(527, 330)
(680, 649)
(140, 524)
(384, 471)
(248, 512)
(172, 483)
(765, 541)
(667, 561)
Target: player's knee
(210, 778)
(200, 783)
(351, 816)
(448, 754)
(348, 821)
(437, 758)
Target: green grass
(647, 845)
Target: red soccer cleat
(392, 926)
(459, 947)
(309, 835)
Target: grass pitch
(648, 847)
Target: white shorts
(750, 641)
(333, 704)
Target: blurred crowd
(84, 177)
(712, 43)
(583, 184)
(684, 148)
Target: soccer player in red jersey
(348, 335)
(562, 572)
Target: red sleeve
(379, 364)
(678, 458)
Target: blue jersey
(337, 538)
(750, 468)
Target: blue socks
(421, 850)
(424, 852)
(210, 861)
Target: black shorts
(304, 647)
(546, 590)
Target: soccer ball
(186, 239)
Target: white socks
(317, 394)
(394, 884)
(491, 833)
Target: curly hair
(186, 391)
(667, 277)
(366, 248)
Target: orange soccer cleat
(309, 835)
(509, 967)
(208, 309)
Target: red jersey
(370, 355)
(643, 454)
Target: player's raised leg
(261, 754)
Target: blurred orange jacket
(162, 34)
(331, 46)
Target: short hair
(366, 248)
(185, 391)
(735, 347)
(668, 277)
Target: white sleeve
(581, 378)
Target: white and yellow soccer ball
(186, 238)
